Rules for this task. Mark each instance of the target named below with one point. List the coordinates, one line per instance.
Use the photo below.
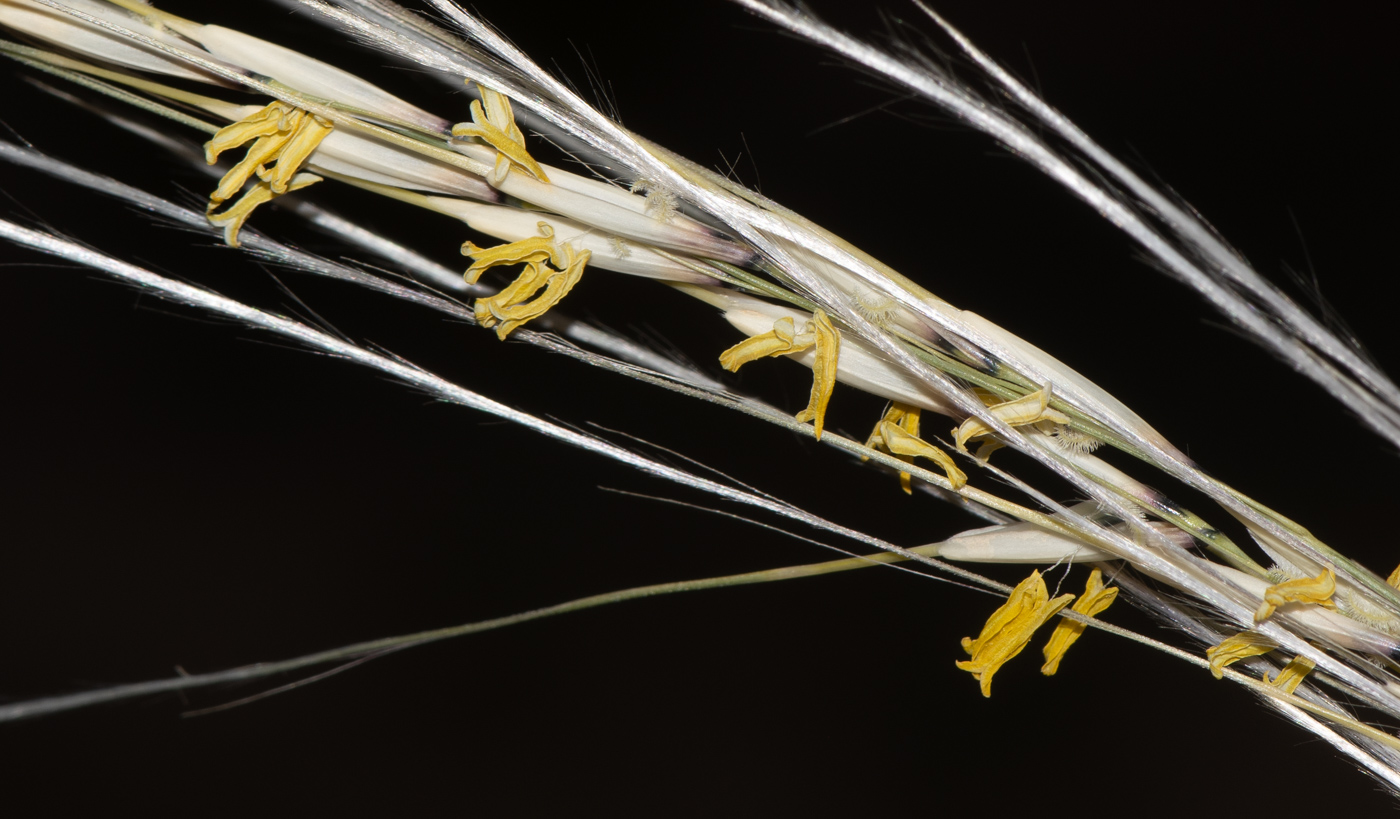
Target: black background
(179, 491)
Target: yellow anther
(263, 150)
(1028, 409)
(507, 311)
(1010, 628)
(495, 125)
(231, 219)
(1095, 599)
(906, 418)
(783, 339)
(531, 279)
(828, 344)
(1394, 579)
(266, 122)
(298, 148)
(280, 134)
(521, 300)
(899, 442)
(1233, 649)
(1317, 590)
(534, 250)
(1292, 674)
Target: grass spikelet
(257, 515)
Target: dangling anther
(280, 134)
(894, 437)
(1028, 409)
(1095, 599)
(1010, 628)
(521, 300)
(1292, 674)
(1233, 649)
(906, 418)
(1315, 590)
(231, 219)
(783, 339)
(495, 125)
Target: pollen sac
(1394, 579)
(1009, 629)
(521, 300)
(231, 219)
(1094, 601)
(828, 344)
(1315, 590)
(906, 418)
(1292, 674)
(1233, 649)
(784, 339)
(284, 138)
(1026, 410)
(494, 124)
(534, 250)
(895, 438)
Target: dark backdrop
(180, 491)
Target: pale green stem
(48, 705)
